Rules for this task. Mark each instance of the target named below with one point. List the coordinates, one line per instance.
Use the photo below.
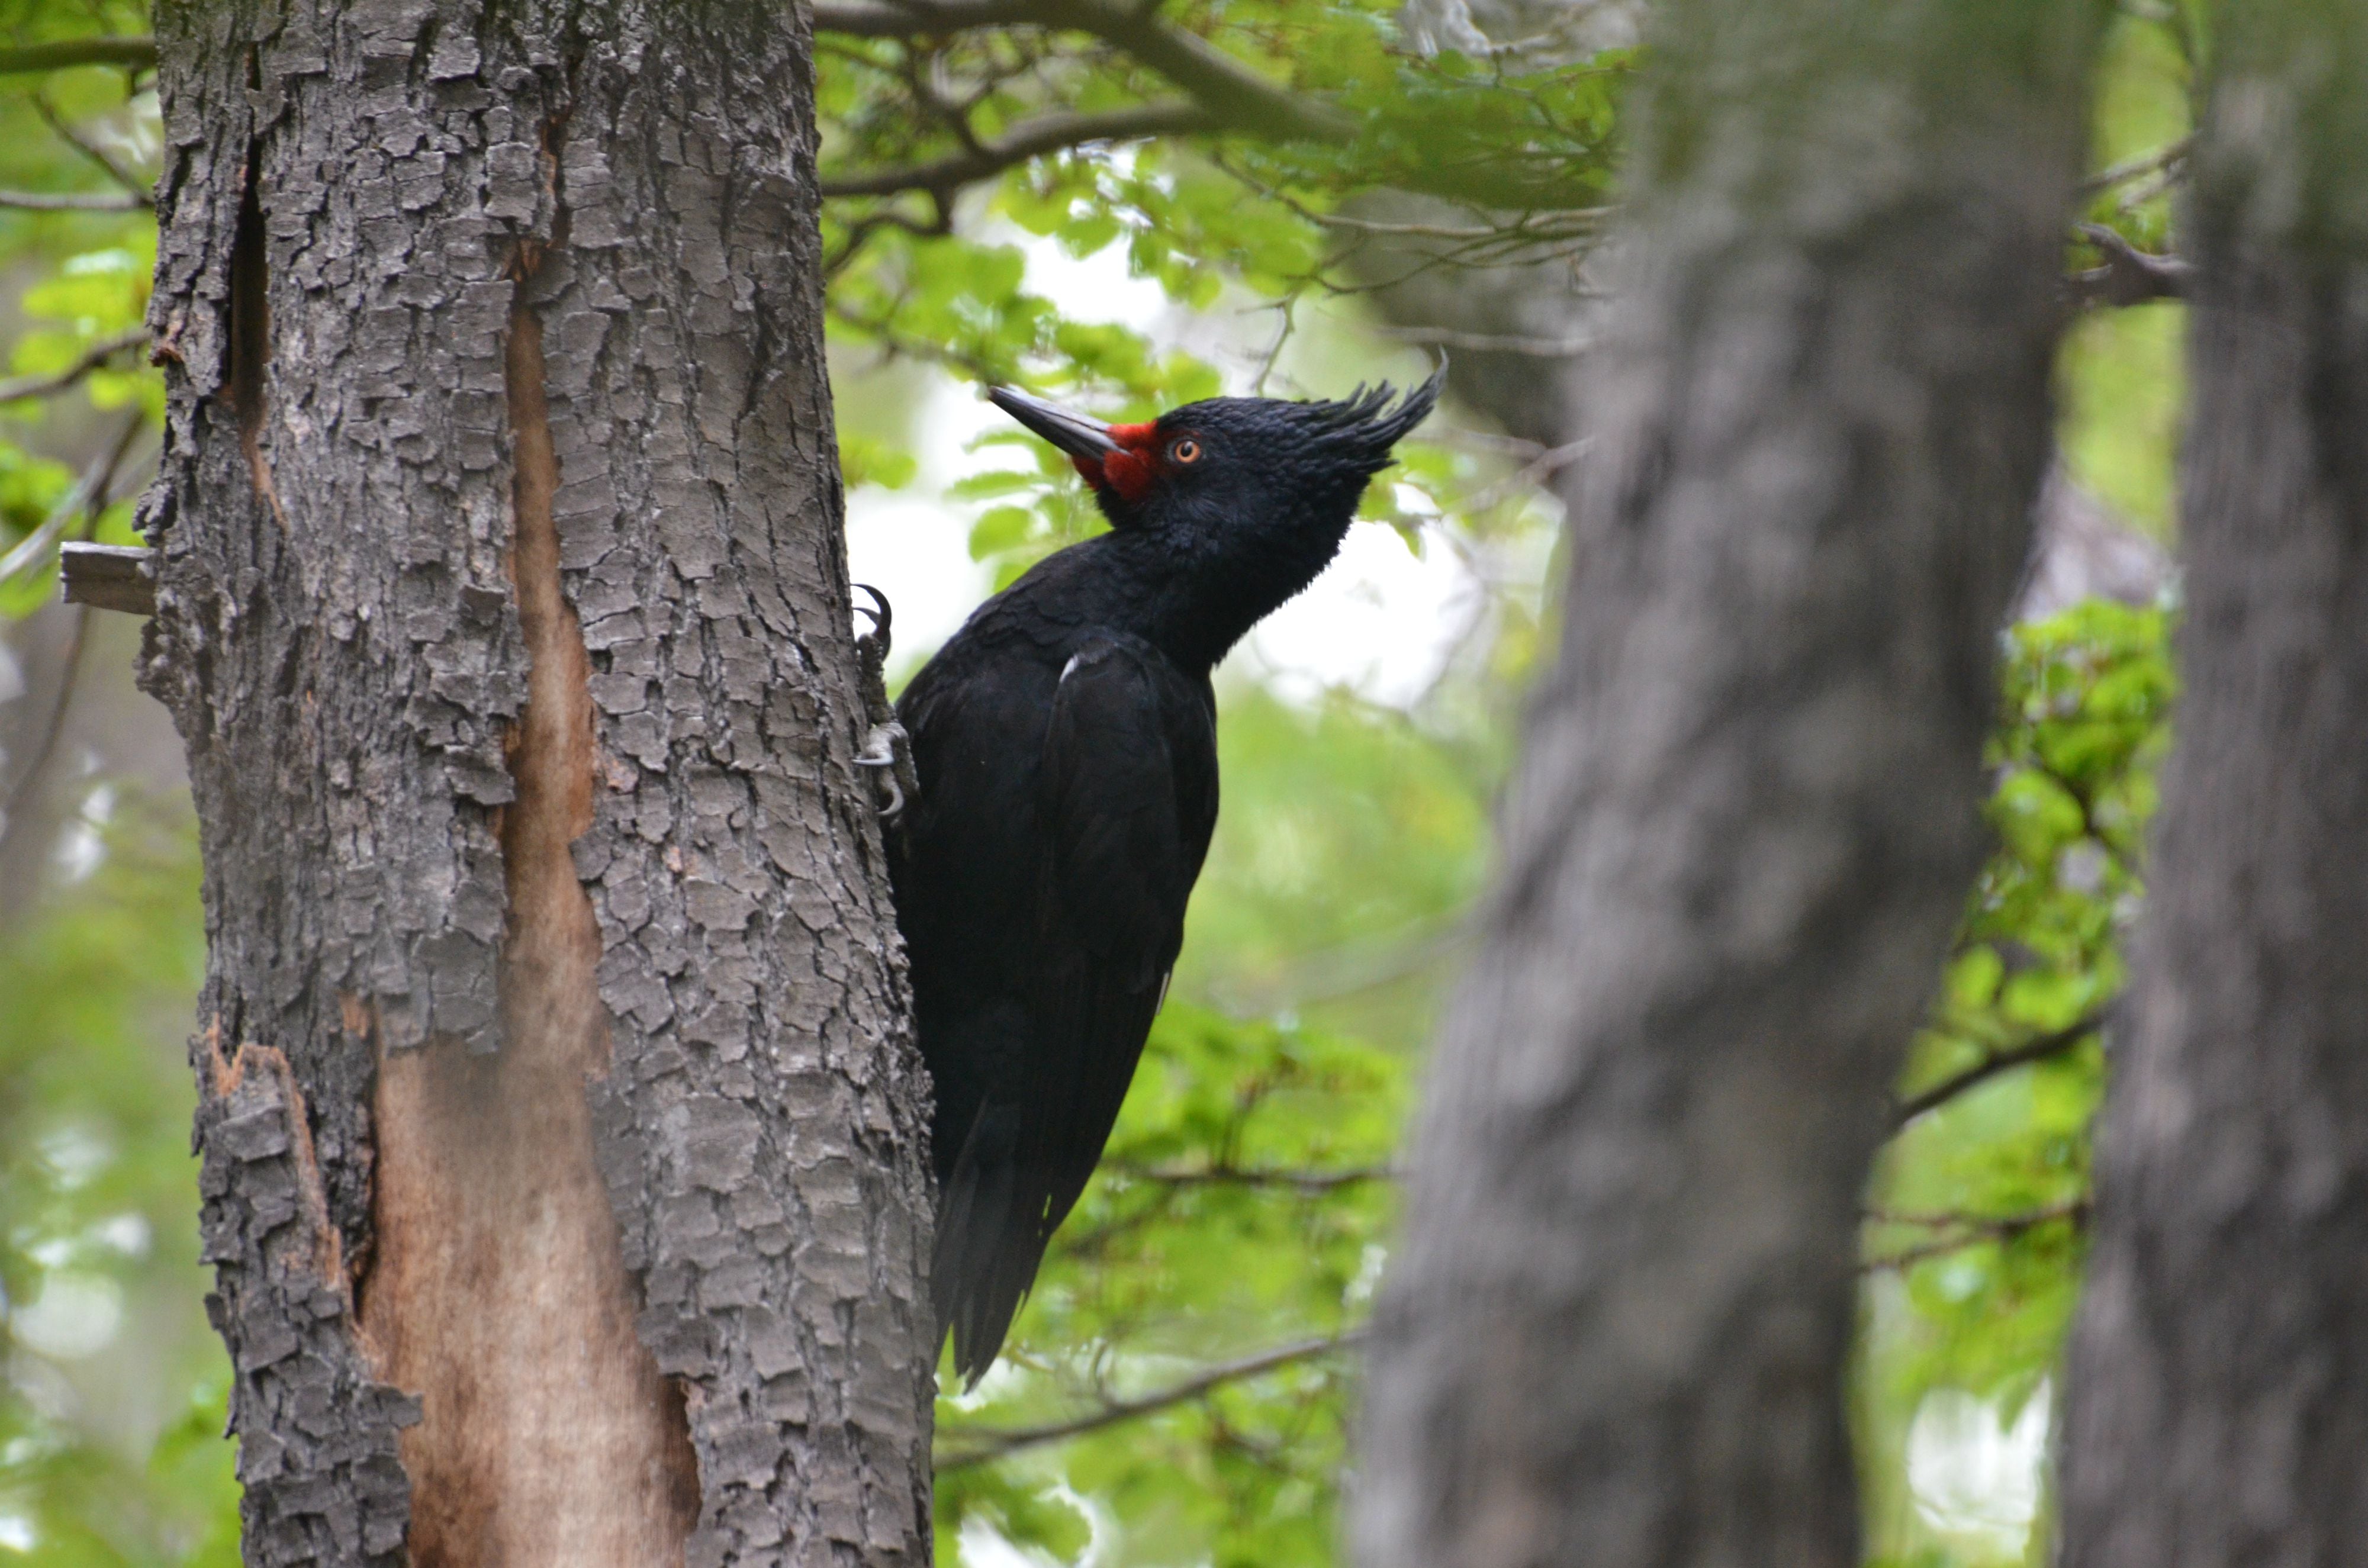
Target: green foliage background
(1180, 1386)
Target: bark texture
(1747, 813)
(563, 1140)
(2218, 1386)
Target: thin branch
(2130, 275)
(94, 481)
(1974, 1229)
(1288, 308)
(859, 233)
(37, 761)
(1349, 968)
(1217, 82)
(2146, 190)
(1308, 1181)
(1491, 342)
(1990, 1067)
(994, 1442)
(45, 383)
(77, 202)
(2145, 163)
(854, 19)
(66, 133)
(1536, 471)
(895, 345)
(1470, 441)
(1030, 139)
(88, 495)
(1484, 243)
(1577, 223)
(139, 53)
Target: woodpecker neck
(1203, 590)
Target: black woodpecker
(1063, 745)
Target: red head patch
(1131, 469)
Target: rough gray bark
(1747, 813)
(2217, 1395)
(563, 1143)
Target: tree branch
(131, 182)
(88, 492)
(994, 1442)
(87, 495)
(136, 52)
(37, 762)
(1491, 342)
(1217, 82)
(2130, 275)
(44, 383)
(2144, 164)
(1990, 1067)
(1974, 1229)
(1030, 139)
(1238, 1175)
(75, 201)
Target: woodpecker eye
(1187, 450)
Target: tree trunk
(1747, 816)
(564, 1151)
(2218, 1386)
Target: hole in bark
(250, 331)
(250, 313)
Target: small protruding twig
(107, 577)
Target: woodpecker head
(1214, 469)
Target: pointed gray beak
(1073, 432)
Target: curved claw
(879, 746)
(882, 614)
(880, 755)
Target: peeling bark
(2217, 1392)
(1745, 815)
(563, 1140)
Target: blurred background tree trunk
(2218, 1386)
(1745, 822)
(563, 1149)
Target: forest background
(1180, 1384)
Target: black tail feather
(990, 1240)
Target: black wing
(1125, 798)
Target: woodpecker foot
(887, 748)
